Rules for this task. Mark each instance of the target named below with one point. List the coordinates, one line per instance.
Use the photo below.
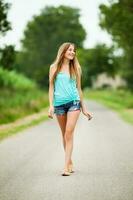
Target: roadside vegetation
(119, 100)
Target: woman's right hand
(87, 114)
(51, 112)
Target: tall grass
(13, 80)
(19, 96)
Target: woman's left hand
(87, 114)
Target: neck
(66, 62)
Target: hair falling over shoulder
(74, 66)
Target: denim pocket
(75, 106)
(76, 103)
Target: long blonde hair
(74, 66)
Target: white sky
(21, 12)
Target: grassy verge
(21, 109)
(22, 102)
(10, 129)
(17, 104)
(119, 100)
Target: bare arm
(51, 92)
(80, 92)
(51, 87)
(83, 108)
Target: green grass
(19, 97)
(18, 104)
(119, 100)
(15, 130)
(15, 81)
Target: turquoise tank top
(65, 89)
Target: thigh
(62, 119)
(72, 118)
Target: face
(70, 53)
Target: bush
(15, 81)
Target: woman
(65, 97)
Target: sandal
(70, 168)
(66, 173)
(90, 117)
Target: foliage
(117, 19)
(19, 96)
(42, 37)
(4, 23)
(15, 81)
(7, 57)
(119, 100)
(97, 60)
(15, 105)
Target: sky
(22, 11)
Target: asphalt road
(31, 162)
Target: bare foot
(70, 168)
(66, 172)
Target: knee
(68, 137)
(68, 134)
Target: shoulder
(52, 70)
(52, 67)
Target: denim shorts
(68, 107)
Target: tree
(42, 37)
(7, 57)
(117, 19)
(4, 23)
(7, 54)
(97, 60)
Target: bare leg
(72, 118)
(62, 119)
